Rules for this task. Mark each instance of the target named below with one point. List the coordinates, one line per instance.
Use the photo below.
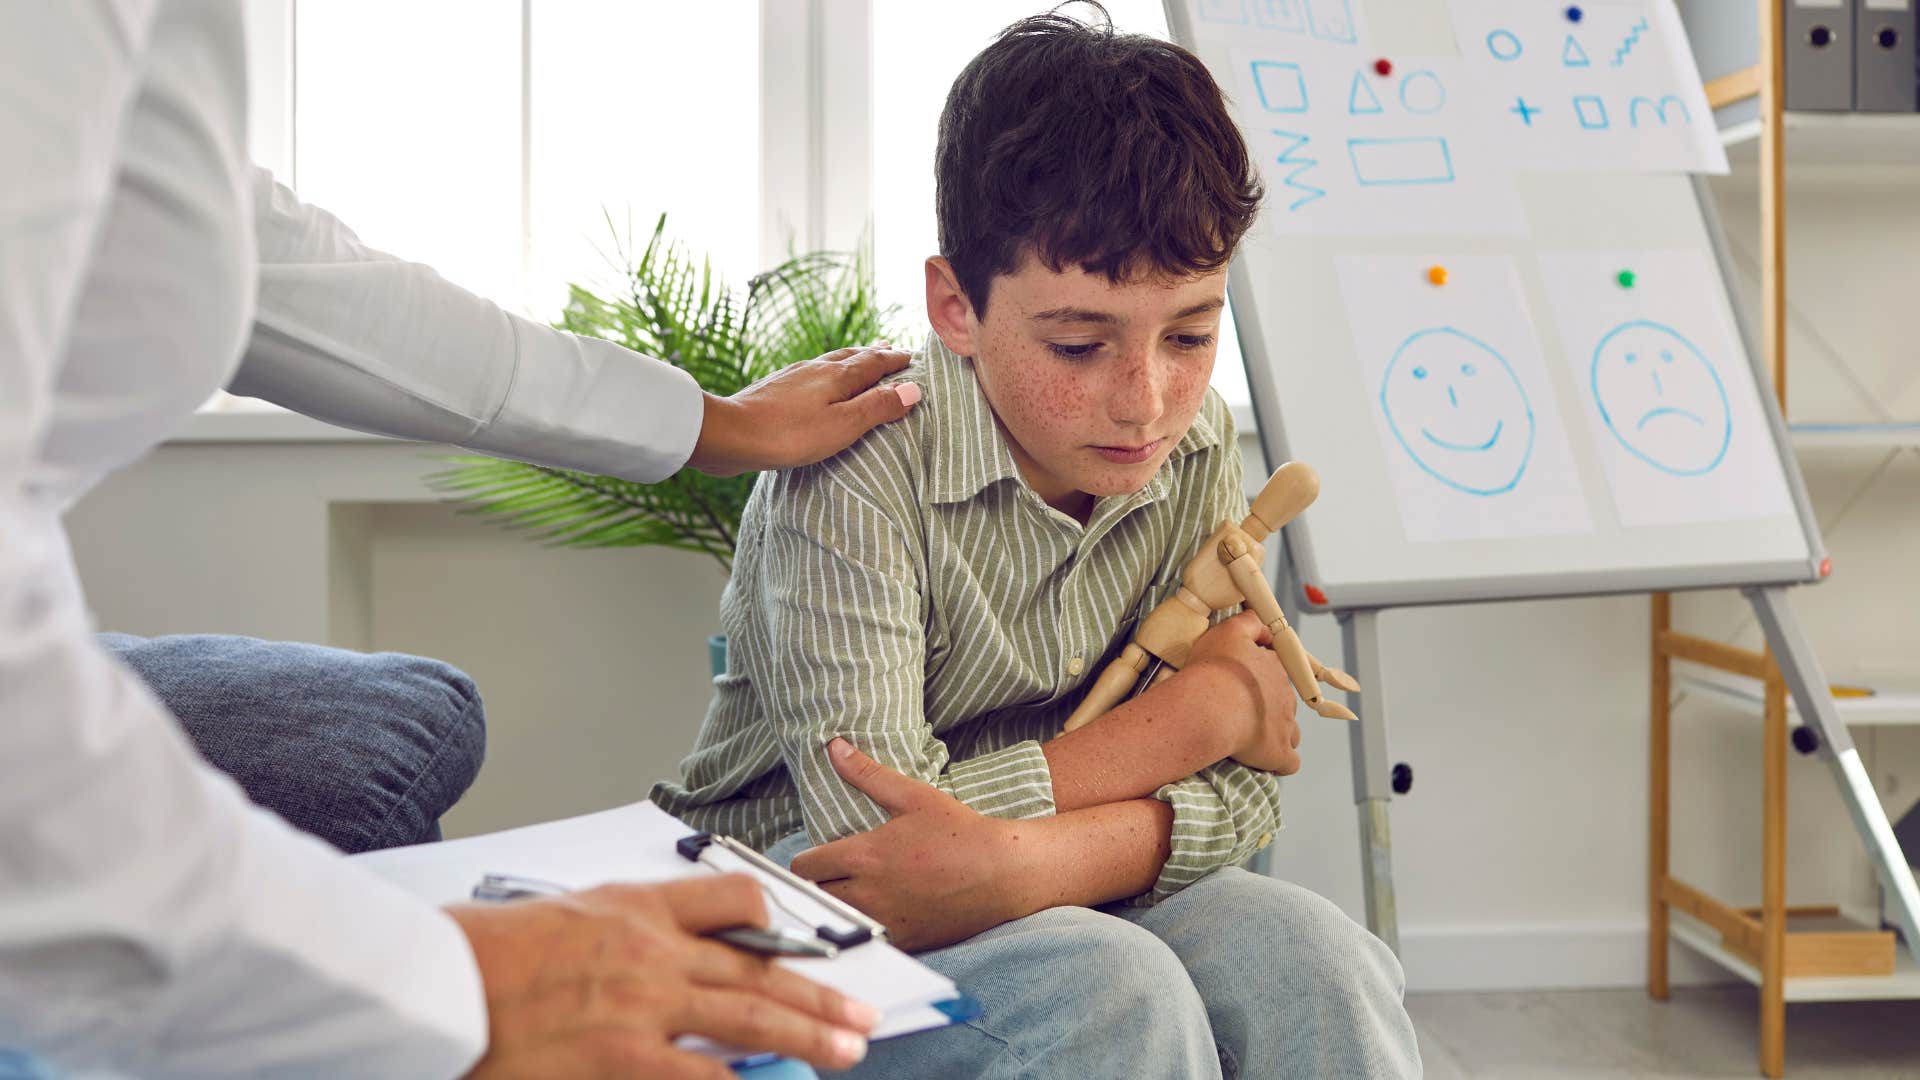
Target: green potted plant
(665, 304)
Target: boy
(939, 596)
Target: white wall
(1519, 856)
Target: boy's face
(1093, 383)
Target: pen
(500, 888)
(776, 942)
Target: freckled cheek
(1185, 389)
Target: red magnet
(1826, 568)
(1383, 67)
(1314, 594)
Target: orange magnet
(1316, 596)
(1437, 275)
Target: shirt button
(1265, 839)
(1075, 666)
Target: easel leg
(1773, 881)
(1372, 779)
(1659, 803)
(1808, 684)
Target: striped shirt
(916, 596)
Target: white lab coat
(152, 922)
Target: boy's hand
(1266, 734)
(938, 873)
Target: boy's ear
(949, 309)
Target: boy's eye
(1073, 352)
(1192, 341)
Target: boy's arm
(839, 589)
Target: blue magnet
(1574, 14)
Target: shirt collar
(972, 453)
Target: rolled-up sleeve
(846, 621)
(1221, 816)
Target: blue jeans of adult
(1238, 975)
(364, 750)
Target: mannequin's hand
(600, 983)
(802, 414)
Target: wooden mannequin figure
(1225, 573)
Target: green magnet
(1626, 279)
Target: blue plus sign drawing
(1524, 110)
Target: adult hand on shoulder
(802, 414)
(600, 983)
(937, 873)
(1266, 734)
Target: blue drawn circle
(1714, 416)
(1455, 461)
(1504, 36)
(1439, 93)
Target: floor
(1701, 1032)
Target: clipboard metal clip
(862, 928)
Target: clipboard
(640, 843)
(843, 925)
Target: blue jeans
(365, 751)
(1238, 975)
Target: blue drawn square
(1282, 87)
(1591, 111)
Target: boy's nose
(1139, 395)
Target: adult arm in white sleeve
(368, 341)
(151, 921)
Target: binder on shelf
(1818, 40)
(1885, 79)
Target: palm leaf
(661, 302)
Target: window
(492, 139)
(487, 138)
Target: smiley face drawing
(1661, 398)
(1459, 411)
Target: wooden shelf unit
(1758, 944)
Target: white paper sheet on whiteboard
(1669, 397)
(1616, 91)
(1346, 151)
(1461, 399)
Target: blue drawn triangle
(1573, 55)
(1362, 99)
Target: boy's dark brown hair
(1083, 146)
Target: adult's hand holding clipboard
(619, 978)
(638, 844)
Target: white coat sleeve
(368, 341)
(152, 922)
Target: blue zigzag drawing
(1300, 165)
(1633, 38)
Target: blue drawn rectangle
(1385, 162)
(1282, 87)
